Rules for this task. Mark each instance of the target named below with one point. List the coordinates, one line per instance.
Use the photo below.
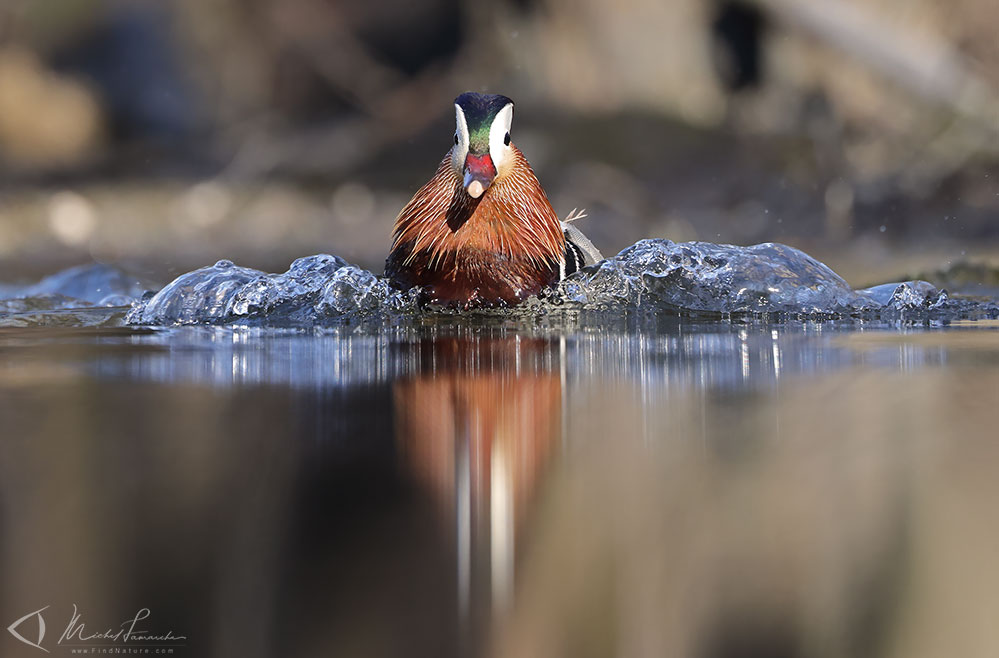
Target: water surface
(627, 485)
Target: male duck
(481, 232)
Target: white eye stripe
(498, 148)
(462, 125)
(460, 149)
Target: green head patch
(479, 111)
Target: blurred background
(162, 135)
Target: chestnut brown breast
(470, 278)
(498, 249)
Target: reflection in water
(663, 489)
(661, 355)
(477, 422)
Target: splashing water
(75, 297)
(88, 285)
(769, 282)
(315, 290)
(653, 276)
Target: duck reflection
(476, 424)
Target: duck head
(482, 149)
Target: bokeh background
(162, 135)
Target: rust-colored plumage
(497, 249)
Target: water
(652, 277)
(282, 469)
(768, 282)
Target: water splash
(713, 278)
(95, 284)
(766, 281)
(315, 290)
(82, 296)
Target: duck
(482, 232)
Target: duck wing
(579, 251)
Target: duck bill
(479, 174)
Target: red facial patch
(480, 166)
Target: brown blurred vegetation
(267, 129)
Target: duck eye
(506, 139)
(456, 138)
